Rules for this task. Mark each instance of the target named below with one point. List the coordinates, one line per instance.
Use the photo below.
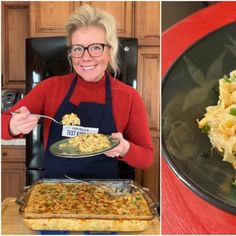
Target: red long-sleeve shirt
(128, 110)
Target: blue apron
(91, 115)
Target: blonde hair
(90, 16)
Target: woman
(99, 100)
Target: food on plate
(88, 142)
(70, 119)
(219, 121)
(83, 199)
(234, 183)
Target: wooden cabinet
(149, 83)
(122, 11)
(49, 18)
(151, 178)
(149, 87)
(147, 30)
(15, 30)
(147, 23)
(13, 170)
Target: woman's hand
(23, 122)
(121, 149)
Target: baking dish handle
(156, 203)
(21, 200)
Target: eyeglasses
(94, 50)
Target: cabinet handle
(4, 154)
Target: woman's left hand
(121, 149)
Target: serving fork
(38, 115)
(105, 189)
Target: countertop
(20, 141)
(12, 222)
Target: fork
(44, 116)
(105, 189)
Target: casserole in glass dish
(63, 204)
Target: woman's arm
(14, 126)
(135, 146)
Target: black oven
(46, 57)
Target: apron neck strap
(108, 89)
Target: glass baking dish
(92, 222)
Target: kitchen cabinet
(149, 87)
(15, 30)
(147, 30)
(122, 11)
(48, 18)
(147, 23)
(13, 170)
(148, 82)
(151, 178)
